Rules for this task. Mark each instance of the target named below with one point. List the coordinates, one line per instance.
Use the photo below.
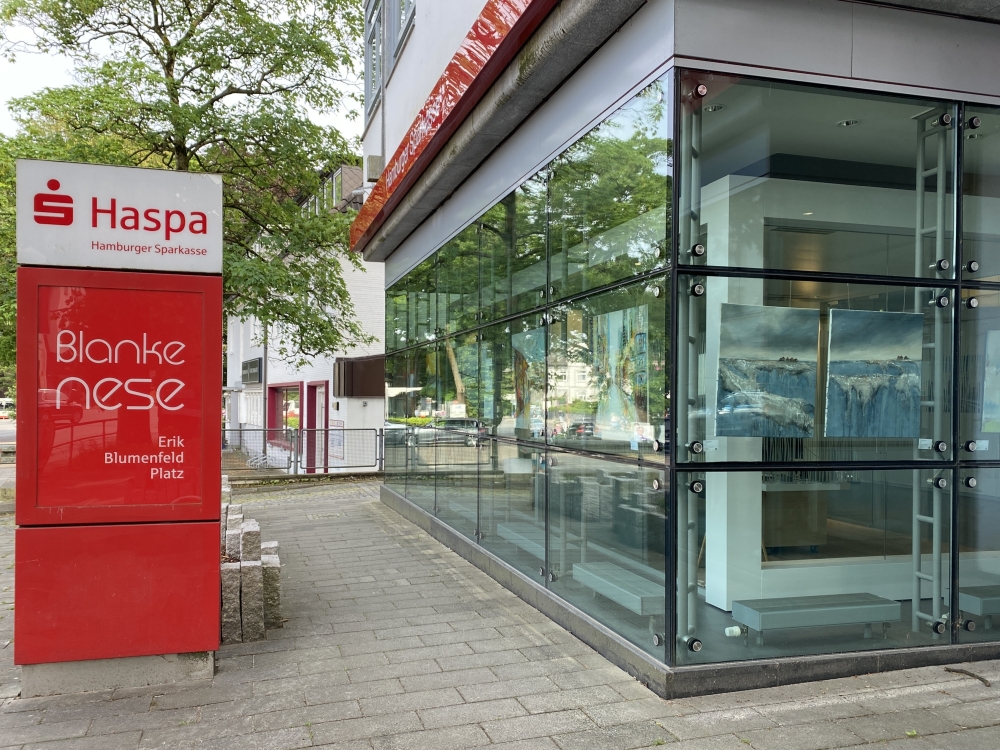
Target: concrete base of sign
(111, 674)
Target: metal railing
(318, 451)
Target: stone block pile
(251, 578)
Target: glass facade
(725, 373)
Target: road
(8, 431)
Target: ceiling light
(847, 123)
(714, 107)
(808, 213)
(972, 136)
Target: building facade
(693, 330)
(264, 392)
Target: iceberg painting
(767, 371)
(991, 383)
(873, 388)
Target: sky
(867, 335)
(31, 73)
(757, 332)
(26, 76)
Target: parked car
(453, 431)
(580, 430)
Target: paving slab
(394, 641)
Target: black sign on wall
(251, 370)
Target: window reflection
(609, 197)
(779, 370)
(607, 372)
(779, 563)
(981, 194)
(782, 176)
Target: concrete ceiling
(984, 10)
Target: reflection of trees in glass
(608, 196)
(458, 281)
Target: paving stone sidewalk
(393, 641)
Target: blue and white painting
(873, 388)
(767, 371)
(991, 383)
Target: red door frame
(313, 438)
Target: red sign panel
(104, 592)
(123, 422)
(500, 31)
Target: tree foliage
(219, 86)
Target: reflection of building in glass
(732, 377)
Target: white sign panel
(91, 216)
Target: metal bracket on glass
(942, 265)
(941, 446)
(970, 482)
(972, 303)
(693, 644)
(697, 250)
(697, 486)
(698, 290)
(974, 122)
(972, 266)
(697, 447)
(970, 446)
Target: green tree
(219, 86)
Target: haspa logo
(53, 208)
(57, 209)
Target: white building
(263, 391)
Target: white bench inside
(980, 600)
(816, 611)
(630, 590)
(528, 537)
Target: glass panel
(979, 397)
(458, 456)
(775, 175)
(421, 306)
(496, 230)
(289, 406)
(979, 555)
(513, 251)
(395, 431)
(395, 317)
(781, 370)
(609, 195)
(512, 377)
(773, 563)
(981, 194)
(458, 281)
(457, 432)
(512, 504)
(607, 541)
(421, 436)
(607, 372)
